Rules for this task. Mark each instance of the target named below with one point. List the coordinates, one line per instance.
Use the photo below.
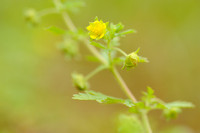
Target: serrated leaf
(178, 129)
(101, 98)
(174, 108)
(149, 95)
(119, 27)
(56, 30)
(150, 91)
(171, 113)
(99, 45)
(180, 104)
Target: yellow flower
(97, 29)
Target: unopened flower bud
(69, 48)
(32, 17)
(171, 113)
(133, 59)
(79, 81)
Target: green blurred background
(35, 79)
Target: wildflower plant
(102, 40)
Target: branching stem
(116, 74)
(123, 85)
(146, 122)
(95, 71)
(47, 11)
(121, 51)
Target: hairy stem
(146, 122)
(47, 11)
(123, 85)
(98, 69)
(121, 51)
(68, 21)
(116, 74)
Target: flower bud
(171, 113)
(133, 59)
(69, 48)
(79, 81)
(31, 17)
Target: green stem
(146, 122)
(95, 52)
(47, 11)
(116, 74)
(109, 52)
(121, 51)
(72, 27)
(68, 21)
(123, 85)
(98, 69)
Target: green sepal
(96, 19)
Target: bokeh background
(35, 78)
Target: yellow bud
(97, 29)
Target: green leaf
(126, 32)
(56, 30)
(148, 96)
(138, 106)
(171, 113)
(101, 98)
(150, 91)
(180, 104)
(99, 45)
(174, 108)
(119, 27)
(178, 129)
(129, 124)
